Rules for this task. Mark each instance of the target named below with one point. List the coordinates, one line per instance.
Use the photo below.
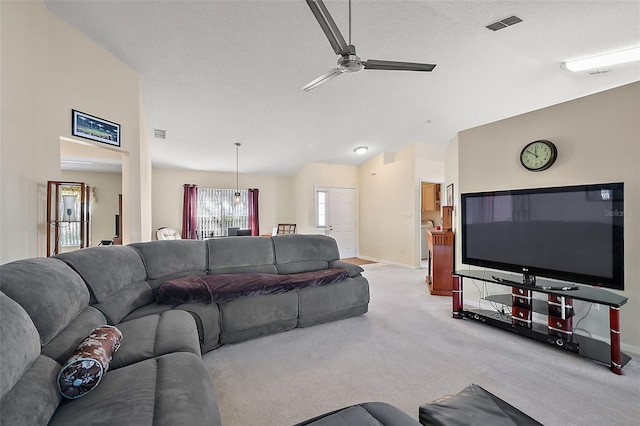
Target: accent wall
(598, 139)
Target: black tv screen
(571, 233)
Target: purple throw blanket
(225, 287)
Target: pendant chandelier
(237, 194)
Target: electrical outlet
(407, 215)
(401, 250)
(596, 306)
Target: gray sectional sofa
(157, 377)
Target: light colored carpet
(407, 350)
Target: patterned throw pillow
(83, 371)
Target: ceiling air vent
(160, 134)
(504, 23)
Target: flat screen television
(569, 233)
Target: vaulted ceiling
(214, 73)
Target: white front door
(342, 219)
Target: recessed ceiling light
(360, 150)
(603, 61)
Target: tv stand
(558, 331)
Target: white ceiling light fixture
(361, 150)
(603, 61)
(237, 194)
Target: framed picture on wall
(450, 194)
(94, 128)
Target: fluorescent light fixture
(361, 150)
(603, 61)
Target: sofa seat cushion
(154, 336)
(173, 389)
(150, 309)
(34, 398)
(206, 316)
(365, 414)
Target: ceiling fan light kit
(349, 61)
(603, 61)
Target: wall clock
(538, 155)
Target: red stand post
(457, 298)
(614, 329)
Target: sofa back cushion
(168, 259)
(20, 343)
(28, 395)
(297, 253)
(241, 254)
(115, 276)
(49, 290)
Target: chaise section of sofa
(46, 308)
(170, 389)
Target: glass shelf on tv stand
(608, 353)
(583, 292)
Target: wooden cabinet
(441, 282)
(430, 196)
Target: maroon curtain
(190, 212)
(253, 212)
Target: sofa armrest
(354, 270)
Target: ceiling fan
(349, 61)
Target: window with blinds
(218, 211)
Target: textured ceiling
(218, 72)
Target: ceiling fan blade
(329, 27)
(322, 79)
(373, 64)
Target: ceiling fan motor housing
(349, 63)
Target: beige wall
(105, 188)
(274, 197)
(43, 78)
(389, 206)
(598, 140)
(451, 177)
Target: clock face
(538, 155)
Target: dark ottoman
(365, 414)
(472, 406)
